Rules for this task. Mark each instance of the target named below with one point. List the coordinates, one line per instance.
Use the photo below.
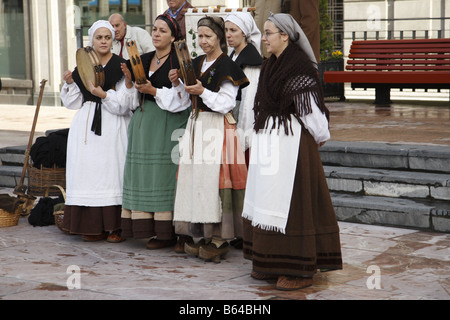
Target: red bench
(386, 64)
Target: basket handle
(56, 186)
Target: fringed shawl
(285, 88)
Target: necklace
(158, 59)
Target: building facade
(39, 38)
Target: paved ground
(379, 262)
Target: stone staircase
(12, 160)
(371, 183)
(387, 184)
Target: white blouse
(222, 102)
(166, 98)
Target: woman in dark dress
(152, 157)
(290, 227)
(96, 145)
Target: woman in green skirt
(152, 156)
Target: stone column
(49, 46)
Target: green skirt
(152, 158)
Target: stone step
(386, 156)
(10, 176)
(407, 213)
(13, 156)
(389, 183)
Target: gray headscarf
(286, 23)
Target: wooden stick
(20, 189)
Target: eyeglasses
(268, 34)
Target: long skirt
(312, 239)
(231, 190)
(91, 221)
(150, 172)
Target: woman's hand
(174, 77)
(127, 74)
(67, 76)
(196, 89)
(146, 88)
(97, 91)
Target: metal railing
(344, 30)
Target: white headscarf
(101, 24)
(286, 23)
(247, 24)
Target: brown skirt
(147, 228)
(91, 221)
(312, 239)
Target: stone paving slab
(34, 263)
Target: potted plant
(329, 62)
(333, 63)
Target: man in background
(306, 13)
(125, 33)
(176, 11)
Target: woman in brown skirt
(290, 227)
(97, 144)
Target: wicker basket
(39, 180)
(59, 215)
(7, 218)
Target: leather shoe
(193, 249)
(115, 237)
(182, 240)
(285, 283)
(213, 253)
(262, 276)
(95, 238)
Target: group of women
(195, 167)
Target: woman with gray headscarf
(245, 38)
(290, 227)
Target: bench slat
(401, 41)
(430, 47)
(405, 50)
(400, 68)
(415, 77)
(399, 62)
(398, 56)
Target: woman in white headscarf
(97, 145)
(290, 227)
(245, 38)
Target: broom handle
(33, 129)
